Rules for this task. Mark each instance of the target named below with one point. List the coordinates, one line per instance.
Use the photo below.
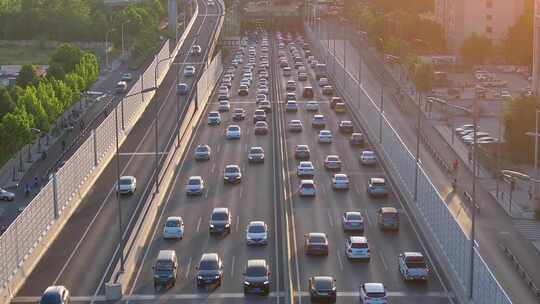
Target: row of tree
(35, 103)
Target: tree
(6, 102)
(517, 46)
(66, 56)
(33, 106)
(519, 118)
(15, 131)
(88, 69)
(423, 77)
(56, 71)
(475, 50)
(27, 76)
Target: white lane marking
(232, 266)
(357, 188)
(188, 268)
(219, 148)
(241, 191)
(213, 168)
(142, 153)
(330, 220)
(383, 261)
(246, 147)
(339, 260)
(367, 217)
(206, 193)
(237, 223)
(391, 294)
(199, 224)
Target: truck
(320, 71)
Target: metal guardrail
(430, 211)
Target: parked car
(6, 195)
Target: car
(323, 82)
(307, 187)
(189, 71)
(295, 125)
(357, 139)
(413, 266)
(264, 105)
(127, 185)
(368, 158)
(6, 195)
(332, 162)
(301, 152)
(290, 86)
(55, 295)
(373, 293)
(308, 92)
(239, 114)
(195, 185)
(261, 97)
(340, 181)
(377, 187)
(182, 89)
(223, 97)
(173, 228)
(322, 288)
(259, 115)
(328, 90)
(290, 96)
(334, 101)
(469, 139)
(388, 218)
(224, 106)
(340, 107)
(203, 152)
(257, 233)
(325, 137)
(257, 277)
(313, 63)
(220, 221)
(463, 129)
(506, 94)
(209, 270)
(287, 71)
(243, 90)
(214, 118)
(232, 174)
(233, 132)
(256, 155)
(357, 247)
(261, 128)
(121, 87)
(312, 106)
(302, 76)
(291, 106)
(196, 50)
(127, 77)
(316, 243)
(346, 126)
(487, 140)
(352, 221)
(318, 121)
(305, 168)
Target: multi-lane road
(84, 254)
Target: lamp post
(536, 135)
(126, 22)
(37, 131)
(107, 47)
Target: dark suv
(220, 221)
(210, 270)
(256, 277)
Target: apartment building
(491, 18)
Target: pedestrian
(36, 181)
(27, 190)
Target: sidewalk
(37, 169)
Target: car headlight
(216, 276)
(227, 225)
(199, 277)
(246, 283)
(266, 283)
(211, 225)
(156, 276)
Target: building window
(489, 4)
(489, 30)
(489, 17)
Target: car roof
(306, 162)
(232, 166)
(54, 289)
(233, 126)
(127, 177)
(302, 146)
(388, 210)
(332, 156)
(166, 254)
(220, 210)
(340, 175)
(323, 278)
(256, 263)
(368, 152)
(318, 116)
(411, 254)
(358, 239)
(212, 256)
(195, 177)
(377, 180)
(174, 218)
(307, 181)
(256, 223)
(317, 234)
(374, 287)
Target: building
(536, 49)
(490, 18)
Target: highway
(323, 213)
(83, 255)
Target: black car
(256, 277)
(322, 288)
(55, 295)
(220, 221)
(209, 270)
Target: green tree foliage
(519, 118)
(33, 106)
(67, 56)
(422, 76)
(27, 76)
(6, 102)
(475, 50)
(517, 46)
(14, 132)
(88, 70)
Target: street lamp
(536, 135)
(126, 22)
(107, 47)
(38, 132)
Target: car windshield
(164, 265)
(231, 169)
(317, 239)
(368, 154)
(378, 183)
(219, 216)
(333, 158)
(50, 298)
(194, 181)
(214, 115)
(125, 181)
(202, 149)
(208, 265)
(376, 294)
(233, 128)
(256, 150)
(417, 262)
(354, 217)
(256, 229)
(256, 271)
(323, 284)
(308, 186)
(359, 245)
(173, 223)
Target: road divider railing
(146, 222)
(448, 243)
(29, 236)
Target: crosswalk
(530, 229)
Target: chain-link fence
(432, 213)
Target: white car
(233, 132)
(340, 181)
(373, 293)
(189, 71)
(323, 82)
(127, 185)
(305, 168)
(318, 121)
(291, 106)
(307, 187)
(312, 106)
(295, 125)
(195, 185)
(224, 106)
(6, 195)
(174, 228)
(332, 162)
(325, 136)
(256, 155)
(357, 247)
(257, 233)
(368, 158)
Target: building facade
(490, 18)
(536, 49)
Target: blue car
(377, 187)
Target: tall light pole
(475, 112)
(536, 135)
(123, 48)
(107, 47)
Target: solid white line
(237, 223)
(339, 260)
(383, 260)
(213, 167)
(241, 191)
(199, 224)
(330, 219)
(367, 217)
(142, 153)
(188, 268)
(232, 266)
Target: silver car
(127, 185)
(195, 185)
(202, 152)
(6, 195)
(256, 154)
(232, 174)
